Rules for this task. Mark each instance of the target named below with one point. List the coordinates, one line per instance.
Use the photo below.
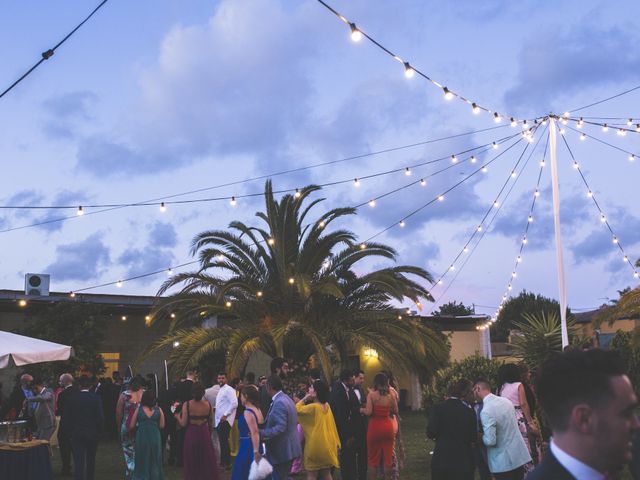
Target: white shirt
(211, 393)
(226, 404)
(574, 466)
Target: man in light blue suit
(280, 430)
(506, 451)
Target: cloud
(64, 111)
(82, 261)
(559, 62)
(163, 235)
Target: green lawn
(110, 464)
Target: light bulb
(496, 117)
(562, 131)
(524, 240)
(441, 198)
(220, 257)
(362, 246)
(291, 280)
(440, 282)
(508, 288)
(454, 159)
(322, 224)
(583, 136)
(630, 122)
(530, 218)
(635, 275)
(622, 132)
(513, 122)
(589, 194)
(22, 302)
(176, 344)
(170, 271)
(409, 72)
(542, 163)
(473, 159)
(475, 108)
(271, 241)
(494, 145)
(479, 229)
(356, 35)
(423, 182)
(632, 157)
(514, 274)
(72, 294)
(452, 268)
(119, 284)
(638, 128)
(448, 95)
(576, 165)
(625, 259)
(407, 171)
(80, 211)
(465, 249)
(519, 259)
(173, 315)
(496, 203)
(372, 203)
(228, 304)
(603, 218)
(615, 240)
(123, 318)
(297, 194)
(485, 169)
(402, 224)
(356, 182)
(605, 128)
(233, 201)
(258, 293)
(564, 121)
(580, 123)
(163, 208)
(566, 115)
(513, 174)
(536, 193)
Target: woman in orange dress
(381, 434)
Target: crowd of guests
(303, 426)
(589, 422)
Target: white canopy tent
(25, 350)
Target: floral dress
(127, 440)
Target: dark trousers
(64, 443)
(517, 474)
(444, 474)
(281, 470)
(480, 457)
(84, 457)
(224, 429)
(348, 463)
(360, 447)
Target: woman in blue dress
(249, 449)
(149, 420)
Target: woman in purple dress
(199, 458)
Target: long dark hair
(322, 391)
(508, 373)
(381, 383)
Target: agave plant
(539, 336)
(289, 287)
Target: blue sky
(154, 98)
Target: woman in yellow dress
(320, 433)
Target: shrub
(472, 368)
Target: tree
(515, 307)
(627, 306)
(291, 289)
(453, 308)
(628, 344)
(78, 325)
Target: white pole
(556, 220)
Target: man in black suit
(360, 425)
(344, 404)
(452, 424)
(64, 437)
(589, 403)
(84, 418)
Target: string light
(583, 136)
(513, 122)
(454, 159)
(605, 128)
(72, 294)
(80, 211)
(372, 203)
(423, 182)
(494, 145)
(297, 194)
(447, 93)
(630, 122)
(542, 163)
(632, 157)
(271, 241)
(362, 246)
(580, 123)
(228, 304)
(119, 284)
(589, 194)
(258, 293)
(530, 218)
(496, 117)
(356, 35)
(402, 224)
(441, 198)
(170, 271)
(291, 280)
(356, 182)
(163, 208)
(473, 159)
(475, 108)
(622, 132)
(233, 201)
(409, 72)
(484, 169)
(322, 224)
(479, 228)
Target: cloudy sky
(155, 98)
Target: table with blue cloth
(26, 460)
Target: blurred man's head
(66, 379)
(358, 378)
(279, 366)
(274, 385)
(481, 388)
(346, 377)
(589, 403)
(222, 378)
(25, 380)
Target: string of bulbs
(603, 218)
(484, 226)
(371, 203)
(410, 70)
(46, 55)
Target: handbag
(261, 470)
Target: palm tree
(289, 288)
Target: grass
(110, 463)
